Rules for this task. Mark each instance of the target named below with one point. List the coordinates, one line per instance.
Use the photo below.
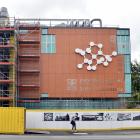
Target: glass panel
(53, 38)
(127, 83)
(49, 38)
(127, 63)
(44, 95)
(73, 104)
(43, 43)
(48, 44)
(44, 31)
(123, 32)
(124, 95)
(49, 48)
(123, 44)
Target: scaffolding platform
(7, 66)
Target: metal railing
(6, 93)
(29, 68)
(28, 38)
(6, 58)
(34, 22)
(76, 104)
(6, 76)
(58, 22)
(6, 42)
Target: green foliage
(135, 73)
(135, 69)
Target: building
(63, 63)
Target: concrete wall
(87, 119)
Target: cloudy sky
(122, 13)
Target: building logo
(93, 56)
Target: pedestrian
(76, 117)
(73, 123)
(67, 118)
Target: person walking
(73, 123)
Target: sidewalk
(117, 132)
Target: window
(123, 44)
(48, 44)
(123, 32)
(127, 63)
(127, 83)
(44, 31)
(44, 95)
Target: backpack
(72, 122)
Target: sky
(122, 13)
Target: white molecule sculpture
(99, 58)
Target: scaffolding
(7, 66)
(28, 38)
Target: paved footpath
(119, 132)
(108, 135)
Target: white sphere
(80, 66)
(100, 45)
(93, 67)
(77, 50)
(100, 52)
(105, 63)
(82, 53)
(89, 62)
(85, 60)
(114, 53)
(88, 50)
(91, 44)
(89, 67)
(94, 56)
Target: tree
(135, 73)
(135, 69)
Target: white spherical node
(114, 53)
(105, 63)
(100, 45)
(94, 56)
(91, 44)
(82, 53)
(93, 67)
(100, 52)
(88, 50)
(77, 50)
(99, 57)
(89, 62)
(85, 60)
(102, 59)
(89, 67)
(80, 66)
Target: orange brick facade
(60, 77)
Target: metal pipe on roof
(97, 19)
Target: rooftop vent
(4, 17)
(4, 12)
